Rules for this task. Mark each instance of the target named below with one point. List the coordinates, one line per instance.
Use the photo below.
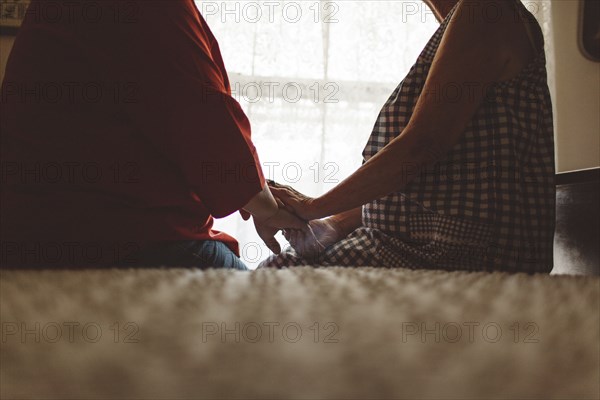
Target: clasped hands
(308, 236)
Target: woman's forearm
(388, 171)
(435, 126)
(348, 221)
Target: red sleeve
(185, 108)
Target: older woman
(459, 170)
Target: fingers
(282, 198)
(295, 203)
(298, 242)
(275, 185)
(272, 244)
(287, 195)
(281, 194)
(294, 239)
(315, 237)
(280, 203)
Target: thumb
(284, 199)
(281, 204)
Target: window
(312, 77)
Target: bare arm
(472, 54)
(346, 222)
(322, 233)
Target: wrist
(339, 227)
(263, 206)
(267, 211)
(316, 209)
(346, 222)
(336, 226)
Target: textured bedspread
(300, 333)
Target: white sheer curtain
(542, 11)
(312, 77)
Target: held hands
(309, 245)
(294, 201)
(280, 207)
(282, 219)
(270, 216)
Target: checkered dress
(488, 205)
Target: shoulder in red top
(121, 130)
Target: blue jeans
(190, 254)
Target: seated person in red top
(121, 141)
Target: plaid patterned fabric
(488, 205)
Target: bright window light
(312, 77)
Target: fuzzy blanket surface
(298, 333)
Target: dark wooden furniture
(577, 236)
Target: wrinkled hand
(268, 227)
(295, 202)
(311, 244)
